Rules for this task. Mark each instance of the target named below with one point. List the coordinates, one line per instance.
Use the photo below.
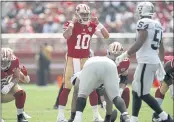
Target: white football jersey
(148, 53)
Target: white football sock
(78, 117)
(121, 91)
(163, 115)
(159, 100)
(20, 111)
(134, 119)
(61, 112)
(95, 110)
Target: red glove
(24, 70)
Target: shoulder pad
(142, 24)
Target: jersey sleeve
(142, 25)
(65, 25)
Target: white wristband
(71, 25)
(100, 26)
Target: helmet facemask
(6, 58)
(83, 14)
(144, 9)
(5, 64)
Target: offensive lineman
(166, 84)
(100, 71)
(11, 74)
(78, 33)
(116, 49)
(148, 43)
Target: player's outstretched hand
(121, 57)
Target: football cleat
(155, 118)
(114, 115)
(62, 120)
(55, 107)
(98, 118)
(26, 115)
(169, 119)
(125, 118)
(21, 118)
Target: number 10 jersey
(79, 42)
(148, 53)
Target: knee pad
(81, 103)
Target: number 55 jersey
(148, 53)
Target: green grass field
(40, 100)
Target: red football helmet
(6, 57)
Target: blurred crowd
(48, 17)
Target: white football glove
(121, 57)
(7, 88)
(27, 79)
(160, 73)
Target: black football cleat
(114, 116)
(125, 118)
(107, 118)
(55, 106)
(21, 118)
(156, 118)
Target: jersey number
(157, 39)
(82, 41)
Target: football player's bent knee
(20, 97)
(81, 103)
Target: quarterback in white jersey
(149, 54)
(99, 71)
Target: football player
(147, 46)
(78, 34)
(115, 49)
(102, 71)
(11, 74)
(166, 84)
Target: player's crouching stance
(98, 71)
(11, 74)
(114, 50)
(166, 84)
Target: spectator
(50, 26)
(43, 62)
